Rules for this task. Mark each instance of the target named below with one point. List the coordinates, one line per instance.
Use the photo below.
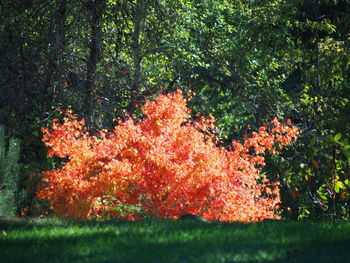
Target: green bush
(9, 174)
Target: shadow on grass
(173, 241)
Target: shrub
(166, 165)
(9, 172)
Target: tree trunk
(55, 64)
(139, 18)
(96, 10)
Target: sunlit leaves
(165, 165)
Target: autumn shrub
(163, 166)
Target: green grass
(57, 240)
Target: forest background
(245, 61)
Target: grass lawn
(57, 240)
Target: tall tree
(95, 9)
(54, 76)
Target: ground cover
(58, 240)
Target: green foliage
(117, 206)
(9, 174)
(319, 169)
(318, 184)
(245, 51)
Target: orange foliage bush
(167, 165)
